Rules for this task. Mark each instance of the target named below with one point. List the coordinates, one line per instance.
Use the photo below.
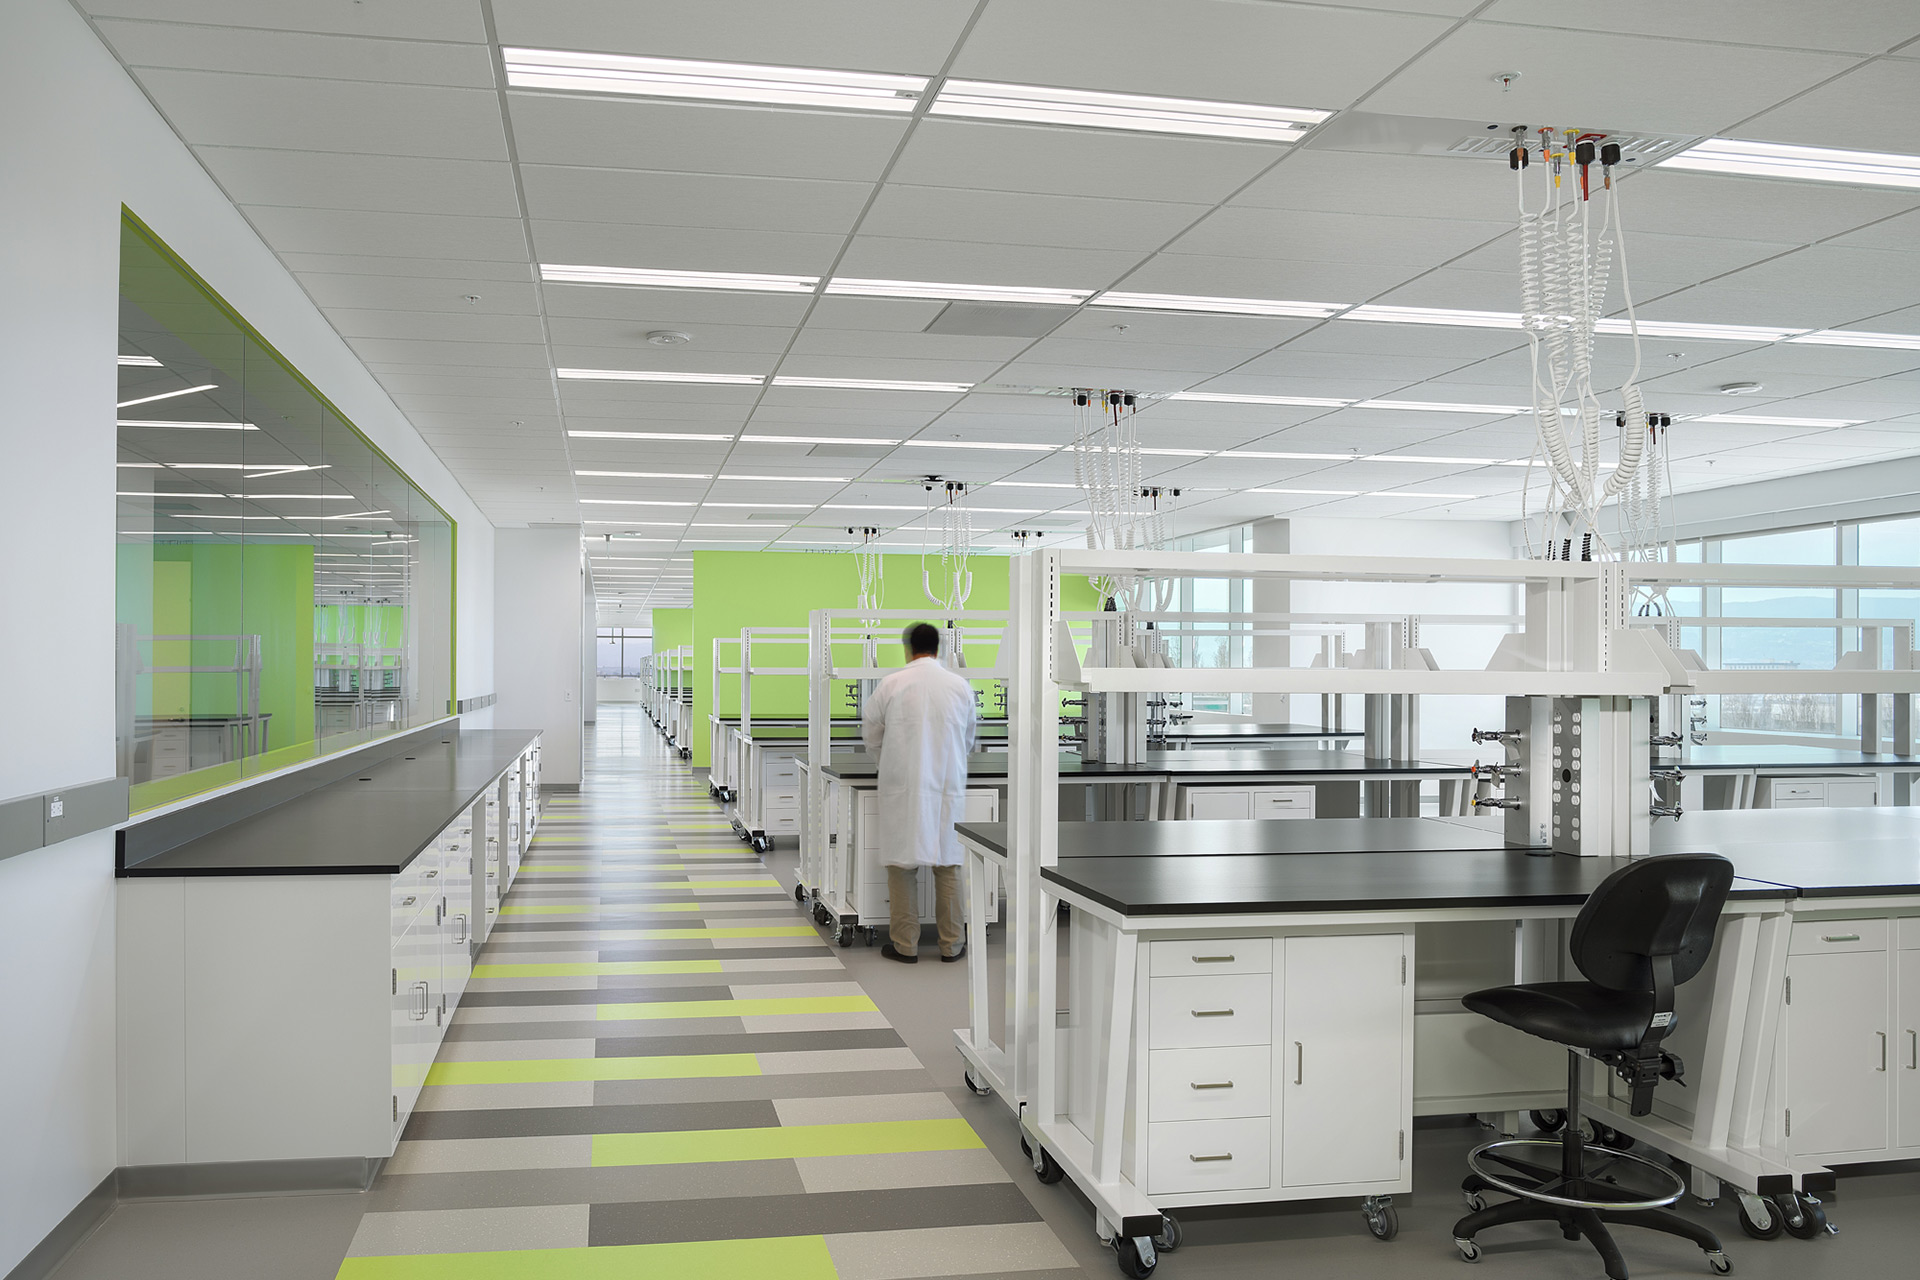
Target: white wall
(77, 140)
(540, 603)
(1445, 722)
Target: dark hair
(922, 638)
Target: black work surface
(1824, 853)
(865, 767)
(1744, 756)
(1240, 838)
(1230, 731)
(374, 822)
(1284, 762)
(1261, 883)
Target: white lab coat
(920, 723)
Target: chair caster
(1382, 1221)
(1759, 1218)
(1475, 1201)
(1469, 1251)
(1548, 1121)
(1137, 1256)
(1718, 1262)
(1170, 1235)
(975, 1087)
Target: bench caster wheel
(975, 1087)
(1136, 1255)
(1548, 1121)
(843, 936)
(799, 894)
(1044, 1167)
(1804, 1218)
(1170, 1235)
(1759, 1218)
(1382, 1222)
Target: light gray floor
(305, 1237)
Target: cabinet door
(1212, 802)
(1839, 1060)
(416, 970)
(1342, 1053)
(1906, 1051)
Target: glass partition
(282, 589)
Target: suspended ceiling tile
(816, 340)
(337, 180)
(872, 257)
(673, 308)
(452, 269)
(286, 53)
(1866, 26)
(1073, 162)
(1872, 108)
(480, 354)
(1375, 184)
(403, 235)
(1175, 328)
(1014, 217)
(1652, 82)
(415, 20)
(331, 290)
(1113, 351)
(865, 35)
(591, 342)
(635, 243)
(693, 199)
(557, 130)
(447, 326)
(1335, 237)
(219, 109)
(1298, 279)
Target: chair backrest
(1661, 906)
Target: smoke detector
(668, 337)
(1740, 388)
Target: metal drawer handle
(1839, 937)
(1213, 959)
(426, 999)
(1210, 1159)
(1213, 1013)
(1913, 1050)
(1211, 1084)
(431, 874)
(1299, 1061)
(409, 900)
(1883, 1049)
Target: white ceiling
(376, 150)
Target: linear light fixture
(633, 502)
(791, 479)
(1769, 420)
(167, 395)
(1436, 315)
(1292, 457)
(956, 292)
(1218, 306)
(1006, 445)
(1401, 493)
(648, 278)
(1178, 453)
(1031, 484)
(1134, 112)
(1860, 338)
(140, 362)
(872, 384)
(654, 375)
(649, 475)
(1448, 462)
(189, 426)
(650, 435)
(814, 440)
(639, 77)
(1323, 493)
(1221, 397)
(1688, 329)
(259, 474)
(1440, 406)
(1808, 164)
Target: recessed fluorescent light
(1437, 315)
(791, 479)
(1089, 109)
(269, 472)
(1323, 493)
(1441, 406)
(1768, 420)
(633, 502)
(649, 475)
(814, 440)
(1403, 494)
(1859, 338)
(650, 435)
(1810, 164)
(1031, 484)
(1291, 457)
(1221, 397)
(351, 515)
(761, 506)
(1178, 453)
(647, 278)
(710, 81)
(140, 362)
(956, 292)
(1408, 457)
(1686, 329)
(190, 426)
(1006, 445)
(167, 395)
(650, 375)
(866, 506)
(872, 384)
(1218, 306)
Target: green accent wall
(672, 628)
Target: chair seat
(1579, 1014)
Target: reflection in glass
(281, 589)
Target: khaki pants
(903, 890)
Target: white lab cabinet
(1242, 803)
(866, 874)
(1906, 1051)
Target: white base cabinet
(1242, 803)
(866, 875)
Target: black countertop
(1823, 853)
(865, 767)
(1229, 731)
(1284, 762)
(1261, 883)
(373, 822)
(1762, 756)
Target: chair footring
(1495, 1163)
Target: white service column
(1273, 536)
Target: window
(282, 590)
(1215, 644)
(621, 650)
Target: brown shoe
(891, 954)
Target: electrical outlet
(56, 807)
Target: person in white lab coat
(920, 723)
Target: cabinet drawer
(1210, 955)
(1800, 791)
(1209, 1084)
(1283, 802)
(1218, 1009)
(786, 799)
(1209, 1155)
(1815, 937)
